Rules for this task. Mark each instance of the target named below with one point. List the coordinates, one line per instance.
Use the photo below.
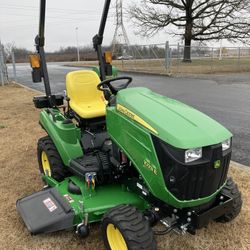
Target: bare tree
(198, 20)
(8, 47)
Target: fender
(66, 136)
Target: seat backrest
(81, 87)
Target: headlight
(193, 154)
(226, 144)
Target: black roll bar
(98, 39)
(40, 42)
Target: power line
(64, 22)
(51, 17)
(55, 9)
(14, 24)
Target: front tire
(49, 160)
(125, 228)
(231, 190)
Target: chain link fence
(141, 58)
(168, 59)
(162, 58)
(207, 60)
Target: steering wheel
(107, 86)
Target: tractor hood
(174, 122)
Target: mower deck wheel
(125, 228)
(50, 162)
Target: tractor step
(45, 211)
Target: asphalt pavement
(226, 98)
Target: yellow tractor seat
(85, 99)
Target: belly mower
(126, 157)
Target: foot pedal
(45, 212)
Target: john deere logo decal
(217, 164)
(135, 117)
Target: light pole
(220, 57)
(77, 45)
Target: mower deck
(45, 211)
(71, 202)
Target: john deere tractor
(125, 157)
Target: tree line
(66, 54)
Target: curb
(124, 71)
(28, 88)
(239, 165)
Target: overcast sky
(19, 23)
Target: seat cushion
(89, 110)
(85, 99)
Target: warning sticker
(68, 198)
(50, 205)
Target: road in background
(225, 98)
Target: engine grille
(193, 180)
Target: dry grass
(198, 66)
(19, 131)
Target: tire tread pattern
(231, 189)
(58, 169)
(133, 226)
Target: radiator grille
(193, 181)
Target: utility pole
(77, 45)
(120, 43)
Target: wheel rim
(115, 238)
(45, 164)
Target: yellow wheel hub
(45, 164)
(115, 238)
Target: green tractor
(126, 157)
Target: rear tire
(125, 228)
(49, 160)
(231, 190)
